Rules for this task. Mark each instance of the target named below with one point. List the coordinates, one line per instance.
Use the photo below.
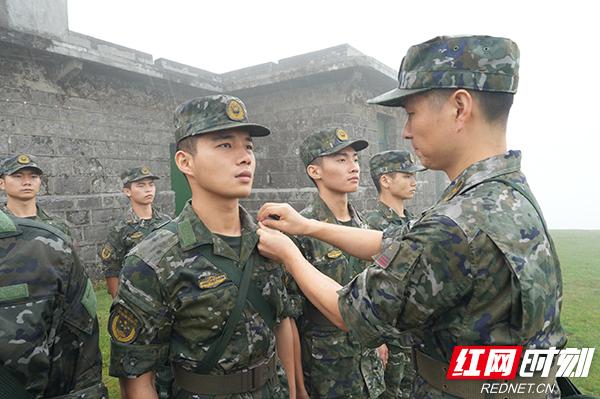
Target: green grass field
(579, 252)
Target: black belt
(228, 384)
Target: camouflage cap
(137, 173)
(327, 142)
(212, 114)
(393, 161)
(16, 163)
(482, 63)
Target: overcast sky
(554, 120)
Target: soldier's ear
(314, 172)
(2, 183)
(127, 191)
(185, 162)
(462, 103)
(385, 181)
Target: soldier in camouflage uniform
(49, 339)
(393, 173)
(21, 179)
(334, 364)
(139, 221)
(479, 267)
(196, 293)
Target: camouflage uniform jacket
(475, 269)
(49, 338)
(399, 371)
(383, 217)
(42, 216)
(173, 303)
(124, 235)
(335, 365)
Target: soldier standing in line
(196, 293)
(140, 220)
(479, 267)
(21, 179)
(334, 364)
(393, 173)
(49, 340)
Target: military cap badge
(23, 159)
(341, 134)
(235, 110)
(145, 171)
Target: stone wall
(88, 110)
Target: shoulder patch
(106, 251)
(386, 256)
(123, 325)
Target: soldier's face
(22, 185)
(403, 185)
(141, 192)
(429, 125)
(340, 172)
(223, 164)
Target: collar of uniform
(42, 214)
(388, 213)
(133, 218)
(483, 170)
(323, 213)
(39, 212)
(193, 232)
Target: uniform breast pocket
(334, 264)
(203, 310)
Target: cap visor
(358, 145)
(394, 98)
(15, 170)
(153, 177)
(254, 129)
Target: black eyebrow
(226, 136)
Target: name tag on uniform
(211, 281)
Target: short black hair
(495, 106)
(188, 144)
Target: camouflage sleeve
(77, 357)
(112, 253)
(412, 281)
(139, 323)
(277, 294)
(297, 298)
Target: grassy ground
(579, 253)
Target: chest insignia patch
(336, 253)
(211, 281)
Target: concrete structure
(89, 109)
